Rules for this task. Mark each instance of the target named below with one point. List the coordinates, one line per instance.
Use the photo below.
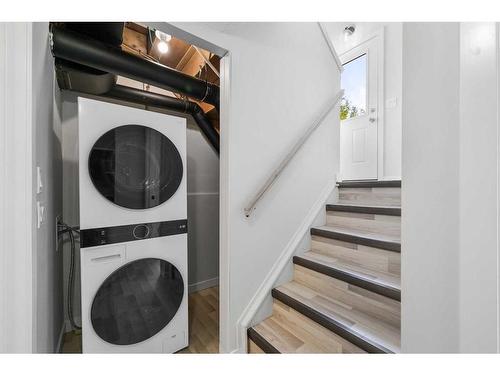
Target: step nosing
(350, 277)
(261, 341)
(364, 209)
(357, 238)
(331, 323)
(366, 184)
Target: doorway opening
(186, 56)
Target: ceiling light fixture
(163, 41)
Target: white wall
(430, 191)
(203, 210)
(450, 188)
(393, 32)
(47, 144)
(281, 76)
(30, 268)
(17, 304)
(478, 188)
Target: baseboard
(265, 288)
(62, 331)
(205, 284)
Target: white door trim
(17, 292)
(225, 331)
(379, 34)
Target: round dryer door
(135, 166)
(137, 301)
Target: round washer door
(135, 166)
(137, 301)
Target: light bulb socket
(349, 30)
(163, 36)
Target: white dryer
(133, 229)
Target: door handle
(372, 119)
(105, 258)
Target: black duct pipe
(79, 49)
(137, 96)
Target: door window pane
(353, 81)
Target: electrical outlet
(40, 209)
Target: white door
(359, 112)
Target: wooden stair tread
(375, 281)
(365, 208)
(369, 184)
(284, 338)
(359, 328)
(359, 236)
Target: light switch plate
(39, 184)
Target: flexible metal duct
(80, 49)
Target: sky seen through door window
(353, 81)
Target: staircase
(346, 291)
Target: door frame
(379, 35)
(17, 229)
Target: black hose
(71, 275)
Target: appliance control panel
(134, 232)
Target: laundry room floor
(203, 321)
(203, 325)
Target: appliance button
(141, 232)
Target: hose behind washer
(71, 275)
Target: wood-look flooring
(288, 331)
(346, 290)
(357, 321)
(203, 325)
(382, 278)
(203, 322)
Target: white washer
(133, 229)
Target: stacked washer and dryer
(133, 229)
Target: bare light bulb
(162, 47)
(163, 41)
